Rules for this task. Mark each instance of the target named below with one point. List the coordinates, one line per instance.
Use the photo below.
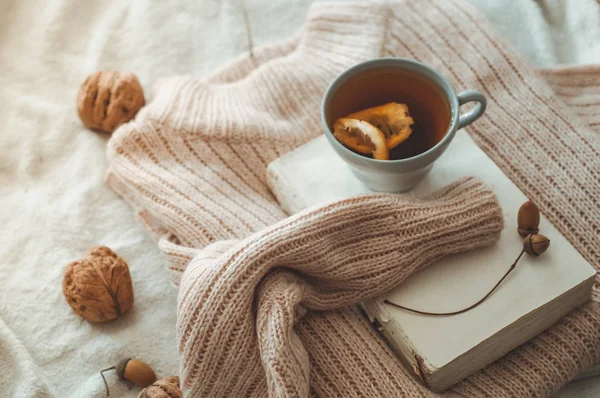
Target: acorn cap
(525, 232)
(120, 368)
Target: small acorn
(136, 372)
(133, 371)
(528, 219)
(535, 244)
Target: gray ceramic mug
(377, 81)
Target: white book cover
(443, 350)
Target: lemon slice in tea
(361, 137)
(392, 119)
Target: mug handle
(475, 113)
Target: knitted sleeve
(240, 299)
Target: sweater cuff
(464, 215)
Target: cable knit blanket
(269, 314)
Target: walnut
(108, 99)
(98, 287)
(164, 388)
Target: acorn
(133, 371)
(528, 219)
(535, 244)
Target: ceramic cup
(344, 96)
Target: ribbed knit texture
(253, 293)
(263, 300)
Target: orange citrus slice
(392, 119)
(362, 137)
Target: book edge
(580, 293)
(276, 183)
(438, 379)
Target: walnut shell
(163, 388)
(108, 99)
(98, 287)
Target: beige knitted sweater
(265, 302)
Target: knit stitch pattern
(321, 259)
(264, 301)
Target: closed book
(442, 350)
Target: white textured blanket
(54, 204)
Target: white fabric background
(54, 204)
